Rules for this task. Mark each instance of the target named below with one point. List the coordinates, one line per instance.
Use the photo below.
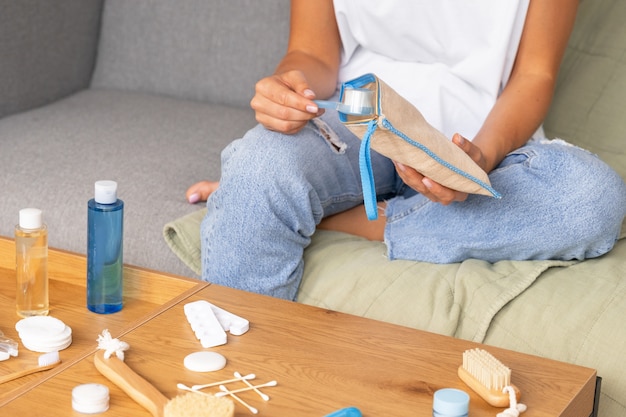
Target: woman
(482, 72)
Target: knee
(597, 205)
(259, 156)
(588, 199)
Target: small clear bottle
(31, 255)
(105, 229)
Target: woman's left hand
(433, 190)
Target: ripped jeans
(559, 202)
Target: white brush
(45, 362)
(146, 395)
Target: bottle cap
(105, 192)
(30, 218)
(451, 402)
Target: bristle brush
(45, 362)
(487, 376)
(146, 395)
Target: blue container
(450, 402)
(105, 230)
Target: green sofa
(148, 92)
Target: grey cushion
(47, 49)
(155, 147)
(212, 51)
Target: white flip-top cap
(30, 218)
(105, 192)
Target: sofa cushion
(588, 108)
(47, 49)
(203, 50)
(154, 146)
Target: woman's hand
(433, 190)
(284, 102)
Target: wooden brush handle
(137, 388)
(493, 397)
(19, 374)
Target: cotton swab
(265, 397)
(236, 391)
(214, 384)
(232, 394)
(186, 388)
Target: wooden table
(322, 360)
(145, 294)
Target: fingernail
(312, 109)
(427, 183)
(400, 166)
(194, 198)
(309, 93)
(460, 139)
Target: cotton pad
(204, 361)
(90, 398)
(44, 334)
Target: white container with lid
(90, 398)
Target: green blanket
(183, 237)
(353, 275)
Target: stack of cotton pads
(44, 334)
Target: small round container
(450, 402)
(90, 398)
(204, 361)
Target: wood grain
(323, 360)
(146, 293)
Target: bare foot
(200, 191)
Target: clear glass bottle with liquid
(31, 255)
(105, 226)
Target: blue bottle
(105, 229)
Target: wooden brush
(487, 376)
(146, 395)
(45, 362)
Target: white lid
(204, 361)
(105, 192)
(31, 218)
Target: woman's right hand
(284, 102)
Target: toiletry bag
(398, 131)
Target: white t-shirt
(450, 58)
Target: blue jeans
(559, 202)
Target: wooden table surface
(322, 360)
(145, 293)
